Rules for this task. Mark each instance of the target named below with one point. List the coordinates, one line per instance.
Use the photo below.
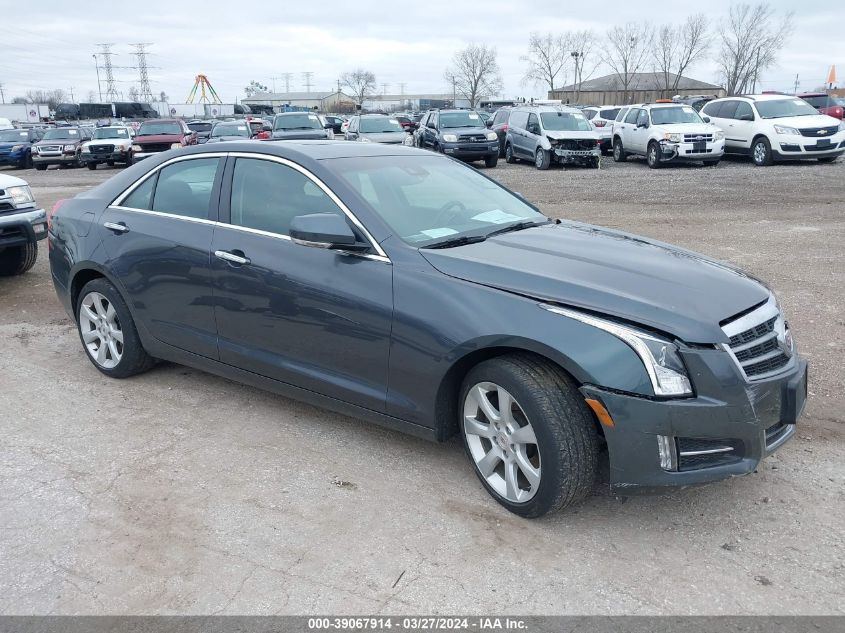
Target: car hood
(800, 122)
(651, 283)
(158, 138)
(11, 181)
(567, 134)
(59, 141)
(688, 128)
(385, 137)
(220, 139)
(318, 133)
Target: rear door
(158, 239)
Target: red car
(407, 124)
(159, 135)
(824, 103)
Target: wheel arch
(85, 272)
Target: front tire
(40, 167)
(16, 260)
(761, 152)
(92, 166)
(619, 154)
(542, 159)
(711, 163)
(529, 434)
(108, 332)
(491, 161)
(653, 156)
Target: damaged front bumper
(724, 431)
(671, 151)
(564, 155)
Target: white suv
(772, 127)
(666, 132)
(601, 118)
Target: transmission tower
(105, 53)
(287, 78)
(306, 79)
(146, 93)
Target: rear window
(621, 116)
(821, 101)
(610, 114)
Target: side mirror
(643, 124)
(746, 117)
(321, 230)
(706, 119)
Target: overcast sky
(50, 44)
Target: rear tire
(40, 167)
(16, 260)
(491, 161)
(108, 324)
(619, 154)
(555, 457)
(542, 159)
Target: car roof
(547, 108)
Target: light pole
(97, 68)
(575, 55)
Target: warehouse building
(642, 87)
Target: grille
(11, 231)
(577, 145)
(814, 131)
(695, 453)
(698, 138)
(472, 138)
(6, 206)
(155, 147)
(758, 341)
(50, 148)
(816, 148)
(102, 149)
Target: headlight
(718, 135)
(175, 145)
(35, 149)
(70, 148)
(842, 127)
(86, 149)
(450, 138)
(782, 129)
(17, 148)
(20, 195)
(660, 357)
(137, 148)
(674, 137)
(491, 136)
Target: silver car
(547, 134)
(375, 128)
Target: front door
(158, 240)
(639, 133)
(315, 318)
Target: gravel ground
(179, 492)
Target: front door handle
(117, 227)
(232, 258)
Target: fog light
(39, 228)
(666, 450)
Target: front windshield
(153, 129)
(376, 124)
(429, 199)
(460, 119)
(111, 132)
(230, 129)
(11, 136)
(780, 108)
(200, 127)
(61, 133)
(565, 122)
(668, 116)
(297, 122)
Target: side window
(267, 195)
(744, 112)
(632, 115)
(590, 114)
(621, 116)
(533, 124)
(500, 117)
(432, 120)
(184, 188)
(142, 197)
(728, 110)
(712, 109)
(642, 117)
(519, 120)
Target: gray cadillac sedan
(408, 289)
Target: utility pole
(384, 89)
(97, 68)
(71, 94)
(146, 93)
(2, 95)
(402, 94)
(796, 84)
(306, 79)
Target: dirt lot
(179, 492)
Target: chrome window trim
(381, 256)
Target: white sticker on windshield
(313, 117)
(798, 101)
(688, 110)
(72, 132)
(242, 128)
(435, 233)
(496, 216)
(121, 132)
(473, 116)
(396, 121)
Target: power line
(306, 79)
(145, 93)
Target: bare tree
(475, 72)
(92, 96)
(133, 93)
(627, 51)
(51, 97)
(254, 87)
(547, 58)
(362, 83)
(677, 47)
(163, 96)
(580, 46)
(749, 42)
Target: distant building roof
(291, 96)
(638, 81)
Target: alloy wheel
(760, 153)
(501, 442)
(101, 331)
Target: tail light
(599, 123)
(52, 212)
(505, 127)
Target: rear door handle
(117, 227)
(232, 258)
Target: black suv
(458, 133)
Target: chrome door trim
(128, 191)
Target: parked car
(236, 131)
(696, 101)
(601, 118)
(776, 127)
(458, 133)
(499, 125)
(22, 225)
(824, 103)
(666, 133)
(60, 146)
(202, 129)
(336, 122)
(261, 129)
(547, 134)
(375, 128)
(6, 124)
(298, 125)
(407, 123)
(160, 135)
(16, 146)
(408, 289)
(109, 145)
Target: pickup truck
(22, 225)
(159, 135)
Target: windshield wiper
(297, 128)
(458, 241)
(518, 226)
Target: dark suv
(60, 146)
(458, 133)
